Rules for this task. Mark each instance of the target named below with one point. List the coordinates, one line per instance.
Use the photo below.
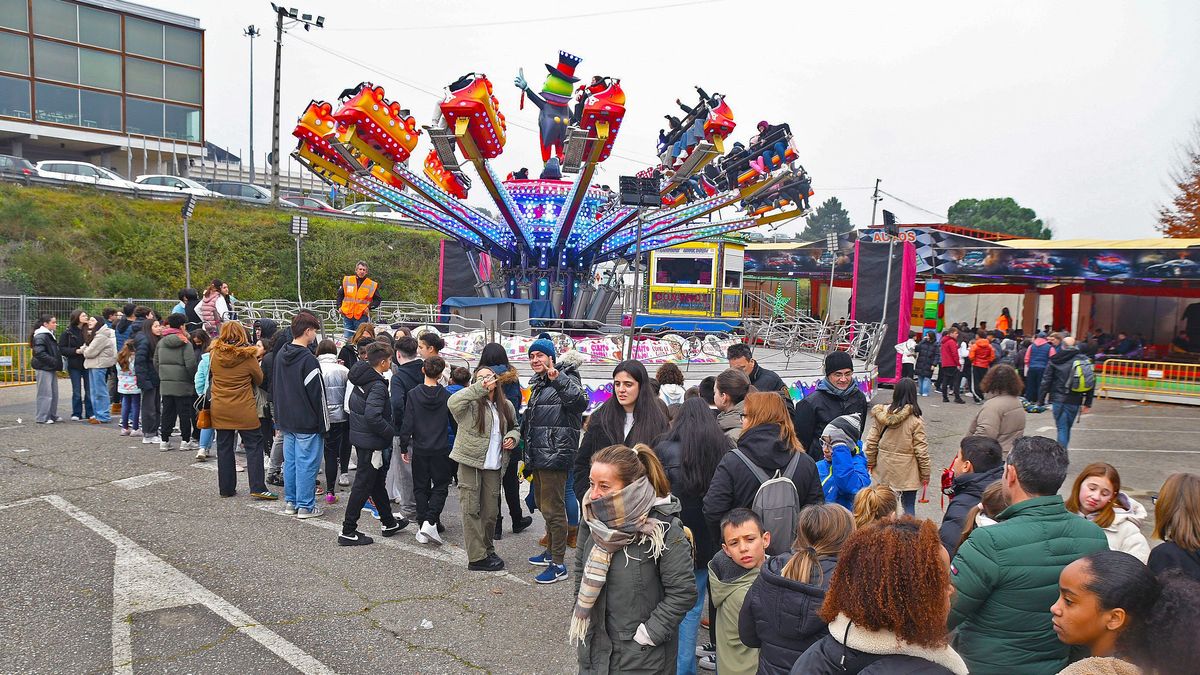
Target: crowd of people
(790, 524)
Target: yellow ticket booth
(697, 279)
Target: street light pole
(295, 17)
(251, 32)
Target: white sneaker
(431, 533)
(190, 445)
(151, 440)
(164, 445)
(352, 465)
(201, 455)
(344, 480)
(421, 538)
(314, 512)
(74, 418)
(707, 663)
(289, 509)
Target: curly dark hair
(669, 373)
(1170, 647)
(890, 576)
(1002, 379)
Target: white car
(81, 172)
(374, 210)
(173, 185)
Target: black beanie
(836, 361)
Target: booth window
(687, 271)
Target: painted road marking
(135, 482)
(1169, 452)
(447, 553)
(143, 582)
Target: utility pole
(875, 198)
(252, 32)
(294, 17)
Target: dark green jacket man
(1006, 578)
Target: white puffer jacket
(1125, 533)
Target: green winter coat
(470, 446)
(639, 589)
(1006, 578)
(175, 360)
(728, 582)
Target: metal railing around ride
(1149, 380)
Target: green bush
(127, 284)
(54, 274)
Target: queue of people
(792, 523)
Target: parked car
(81, 172)
(374, 210)
(173, 185)
(310, 203)
(246, 192)
(17, 165)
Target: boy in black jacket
(425, 442)
(978, 464)
(298, 395)
(371, 433)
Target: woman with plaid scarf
(633, 569)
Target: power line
(943, 216)
(511, 22)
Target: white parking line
(143, 582)
(135, 482)
(1169, 452)
(447, 553)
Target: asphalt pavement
(119, 557)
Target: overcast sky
(1075, 109)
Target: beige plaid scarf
(615, 521)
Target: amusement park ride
(551, 231)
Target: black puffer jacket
(779, 615)
(46, 355)
(1056, 382)
(966, 492)
(551, 421)
(927, 354)
(821, 407)
(371, 424)
(143, 362)
(71, 347)
(734, 485)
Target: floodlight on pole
(252, 32)
(293, 17)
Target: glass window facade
(99, 28)
(56, 104)
(143, 37)
(144, 78)
(56, 61)
(183, 84)
(72, 63)
(14, 14)
(56, 18)
(14, 53)
(143, 117)
(100, 111)
(14, 97)
(183, 46)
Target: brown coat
(900, 460)
(1001, 418)
(235, 373)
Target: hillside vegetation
(81, 242)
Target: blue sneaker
(542, 559)
(552, 574)
(370, 508)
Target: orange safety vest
(357, 298)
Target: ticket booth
(701, 279)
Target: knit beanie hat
(545, 346)
(837, 360)
(846, 429)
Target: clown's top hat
(566, 66)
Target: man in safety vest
(357, 296)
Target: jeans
(925, 385)
(81, 400)
(1064, 417)
(206, 438)
(301, 462)
(431, 484)
(776, 150)
(131, 410)
(572, 502)
(227, 464)
(908, 500)
(47, 396)
(151, 412)
(180, 407)
(1033, 383)
(685, 662)
(350, 325)
(368, 482)
(98, 394)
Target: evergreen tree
(830, 217)
(1000, 214)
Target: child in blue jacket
(843, 471)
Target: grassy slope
(82, 242)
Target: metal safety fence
(1162, 381)
(16, 364)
